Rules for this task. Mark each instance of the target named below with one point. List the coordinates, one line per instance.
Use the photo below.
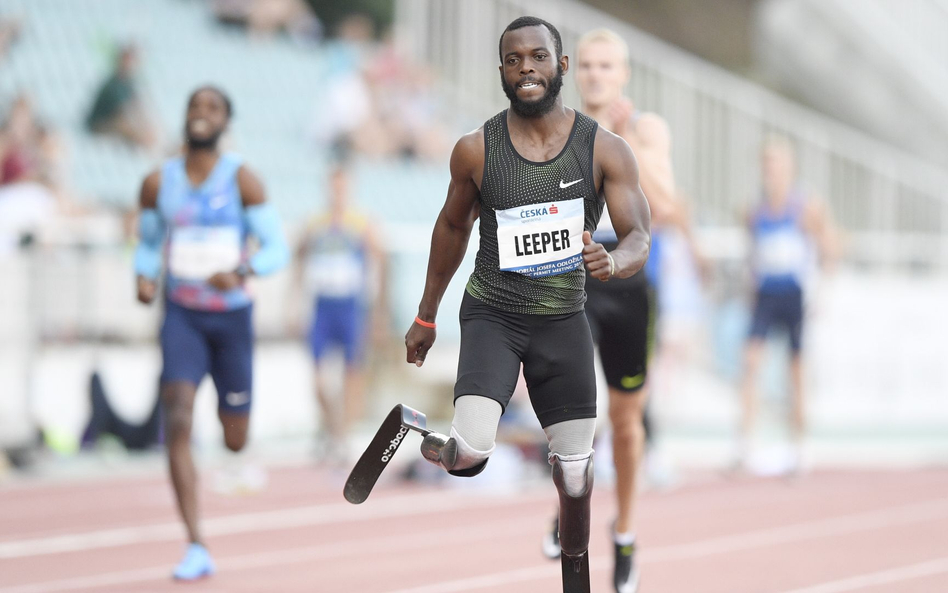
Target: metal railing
(891, 205)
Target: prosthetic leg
(375, 459)
(450, 452)
(454, 454)
(573, 477)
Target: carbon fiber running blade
(575, 573)
(380, 451)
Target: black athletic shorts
(621, 315)
(556, 352)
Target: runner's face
(531, 76)
(206, 119)
(601, 73)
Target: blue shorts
(780, 308)
(195, 343)
(340, 323)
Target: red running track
(829, 532)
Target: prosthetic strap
(573, 477)
(469, 472)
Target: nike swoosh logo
(564, 185)
(237, 399)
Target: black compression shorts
(621, 315)
(556, 352)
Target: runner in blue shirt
(197, 212)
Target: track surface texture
(825, 532)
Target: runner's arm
(263, 222)
(819, 224)
(627, 205)
(379, 267)
(449, 239)
(452, 230)
(651, 142)
(151, 239)
(299, 254)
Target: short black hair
(220, 93)
(532, 21)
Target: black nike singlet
(531, 220)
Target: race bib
(781, 252)
(336, 274)
(199, 252)
(540, 240)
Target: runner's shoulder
(252, 192)
(651, 128)
(651, 119)
(468, 153)
(471, 144)
(148, 198)
(612, 147)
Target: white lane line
(95, 581)
(866, 521)
(902, 515)
(883, 577)
(494, 579)
(395, 506)
(417, 539)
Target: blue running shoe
(196, 564)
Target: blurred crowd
(266, 18)
(377, 104)
(32, 173)
(118, 107)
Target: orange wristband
(423, 323)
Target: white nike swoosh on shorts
(237, 399)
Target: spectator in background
(406, 104)
(342, 263)
(9, 33)
(377, 103)
(20, 143)
(787, 229)
(266, 18)
(118, 109)
(24, 209)
(345, 117)
(30, 171)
